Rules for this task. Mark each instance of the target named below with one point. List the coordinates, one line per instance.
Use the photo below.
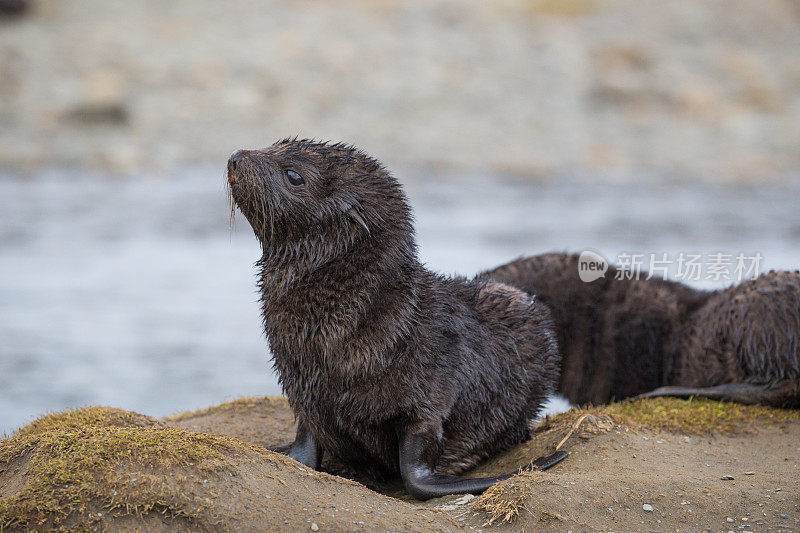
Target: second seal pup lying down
(384, 362)
(629, 337)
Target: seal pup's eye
(294, 178)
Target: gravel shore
(698, 89)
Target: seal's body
(628, 337)
(384, 363)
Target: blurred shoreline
(135, 292)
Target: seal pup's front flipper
(781, 394)
(304, 449)
(418, 443)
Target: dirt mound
(264, 421)
(634, 479)
(660, 464)
(58, 474)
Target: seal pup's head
(313, 201)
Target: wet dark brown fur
(366, 341)
(622, 338)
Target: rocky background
(682, 90)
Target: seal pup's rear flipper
(785, 393)
(543, 463)
(423, 482)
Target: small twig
(572, 430)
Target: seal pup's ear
(355, 215)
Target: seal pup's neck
(346, 315)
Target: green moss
(89, 416)
(698, 415)
(695, 416)
(240, 404)
(73, 467)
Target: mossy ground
(99, 469)
(98, 416)
(696, 416)
(80, 464)
(87, 469)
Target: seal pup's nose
(235, 159)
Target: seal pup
(384, 363)
(627, 337)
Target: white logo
(591, 266)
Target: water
(134, 292)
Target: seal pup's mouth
(232, 179)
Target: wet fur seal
(626, 337)
(385, 363)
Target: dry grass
(503, 501)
